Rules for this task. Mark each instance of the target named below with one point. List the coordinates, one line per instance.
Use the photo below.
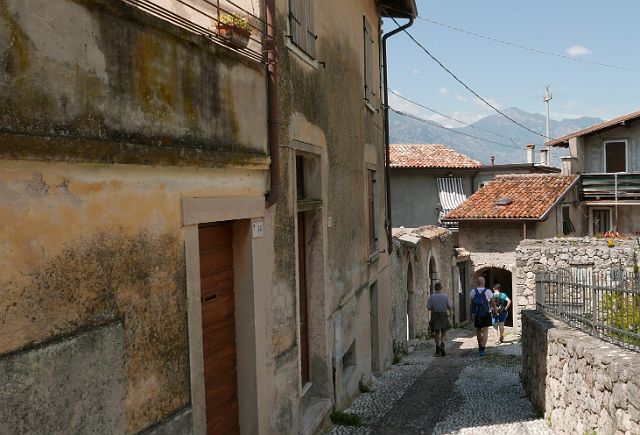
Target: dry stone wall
(550, 255)
(583, 384)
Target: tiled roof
(529, 197)
(564, 140)
(429, 156)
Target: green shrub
(622, 311)
(345, 419)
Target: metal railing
(203, 17)
(616, 187)
(602, 303)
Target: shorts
(439, 322)
(482, 322)
(500, 318)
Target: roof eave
(398, 8)
(560, 198)
(528, 219)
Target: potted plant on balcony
(235, 30)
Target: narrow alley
(460, 393)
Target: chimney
(544, 157)
(530, 150)
(493, 160)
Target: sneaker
(442, 352)
(481, 352)
(437, 351)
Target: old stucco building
(136, 150)
(607, 158)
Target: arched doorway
(410, 320)
(433, 274)
(497, 275)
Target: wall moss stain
(17, 58)
(114, 274)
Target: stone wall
(583, 384)
(549, 255)
(410, 290)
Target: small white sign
(257, 229)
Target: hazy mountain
(407, 130)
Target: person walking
(500, 312)
(482, 304)
(439, 305)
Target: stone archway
(499, 275)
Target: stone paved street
(457, 394)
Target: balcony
(610, 187)
(206, 18)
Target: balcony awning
(451, 193)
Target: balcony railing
(203, 17)
(612, 187)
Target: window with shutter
(301, 25)
(369, 65)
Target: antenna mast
(547, 97)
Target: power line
(467, 86)
(534, 50)
(453, 130)
(447, 116)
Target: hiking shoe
(481, 352)
(442, 352)
(437, 351)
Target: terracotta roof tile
(429, 156)
(531, 196)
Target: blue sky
(598, 31)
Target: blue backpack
(480, 306)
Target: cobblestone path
(457, 394)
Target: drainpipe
(385, 103)
(270, 47)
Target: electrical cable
(467, 86)
(535, 50)
(435, 124)
(449, 117)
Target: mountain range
(511, 139)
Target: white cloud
(443, 91)
(416, 71)
(478, 102)
(460, 98)
(577, 51)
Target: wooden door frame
(249, 283)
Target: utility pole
(547, 97)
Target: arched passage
(433, 274)
(498, 275)
(410, 315)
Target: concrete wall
(414, 195)
(593, 148)
(583, 384)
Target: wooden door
(302, 295)
(218, 328)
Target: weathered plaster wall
(594, 148)
(583, 384)
(86, 370)
(119, 81)
(322, 110)
(88, 244)
(414, 195)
